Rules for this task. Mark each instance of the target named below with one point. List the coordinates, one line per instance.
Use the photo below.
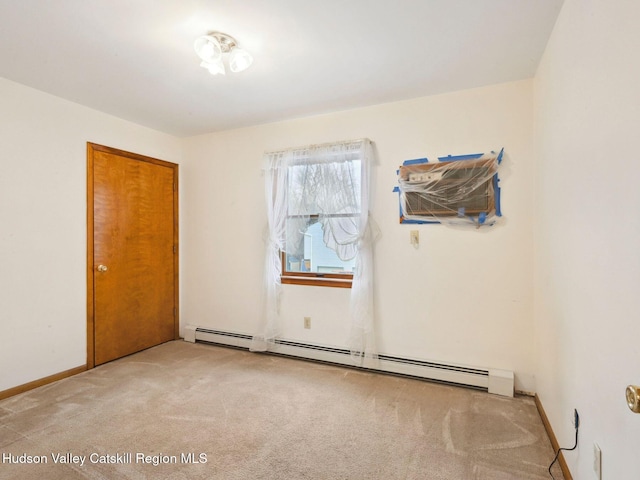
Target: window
(323, 212)
(318, 203)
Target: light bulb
(215, 67)
(208, 48)
(239, 60)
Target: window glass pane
(321, 194)
(315, 256)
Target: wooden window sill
(316, 281)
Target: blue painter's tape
(418, 222)
(482, 218)
(401, 213)
(396, 189)
(455, 158)
(417, 161)
(496, 190)
(500, 155)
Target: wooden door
(132, 249)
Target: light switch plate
(414, 238)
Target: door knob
(633, 398)
(102, 268)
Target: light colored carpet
(254, 416)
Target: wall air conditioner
(446, 189)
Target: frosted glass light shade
(239, 60)
(208, 48)
(217, 48)
(215, 67)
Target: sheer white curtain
(332, 182)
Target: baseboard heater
(500, 382)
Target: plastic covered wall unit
(457, 190)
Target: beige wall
(463, 296)
(587, 266)
(43, 225)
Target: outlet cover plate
(597, 460)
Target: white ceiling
(134, 58)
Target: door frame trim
(91, 148)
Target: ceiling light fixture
(212, 48)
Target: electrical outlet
(307, 322)
(597, 460)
